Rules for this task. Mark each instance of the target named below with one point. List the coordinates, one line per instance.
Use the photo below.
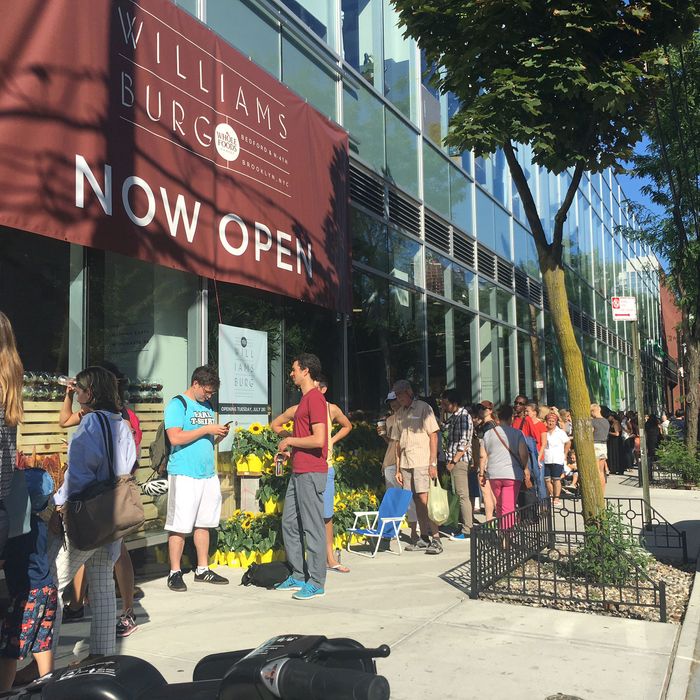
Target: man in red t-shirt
(521, 421)
(303, 527)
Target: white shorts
(192, 503)
(601, 450)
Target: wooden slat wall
(40, 430)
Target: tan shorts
(601, 450)
(416, 479)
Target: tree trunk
(693, 394)
(579, 398)
(552, 269)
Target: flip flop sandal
(339, 569)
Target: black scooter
(287, 667)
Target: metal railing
(653, 530)
(544, 554)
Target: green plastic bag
(438, 503)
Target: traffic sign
(624, 308)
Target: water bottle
(63, 380)
(279, 463)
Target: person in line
(615, 447)
(123, 567)
(504, 459)
(458, 452)
(303, 527)
(537, 416)
(601, 428)
(555, 445)
(521, 420)
(11, 414)
(486, 422)
(676, 427)
(565, 422)
(664, 424)
(88, 463)
(386, 429)
(28, 626)
(652, 434)
(571, 472)
(194, 494)
(335, 415)
(416, 460)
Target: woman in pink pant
(504, 459)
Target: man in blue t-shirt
(194, 494)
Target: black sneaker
(175, 582)
(434, 547)
(210, 576)
(71, 615)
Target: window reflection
(400, 69)
(386, 341)
(362, 38)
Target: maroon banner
(130, 127)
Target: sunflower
(255, 428)
(289, 425)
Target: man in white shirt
(555, 446)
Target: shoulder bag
(107, 510)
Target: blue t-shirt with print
(195, 459)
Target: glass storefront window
(362, 38)
(400, 66)
(449, 349)
(308, 77)
(385, 342)
(139, 318)
(525, 251)
(369, 240)
(461, 200)
(463, 286)
(438, 274)
(405, 258)
(318, 16)
(363, 117)
(485, 209)
(189, 5)
(435, 176)
(401, 154)
(35, 276)
(502, 233)
(497, 362)
(249, 29)
(495, 301)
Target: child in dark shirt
(29, 622)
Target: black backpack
(159, 450)
(266, 575)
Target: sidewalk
(444, 645)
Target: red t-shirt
(311, 409)
(540, 429)
(526, 426)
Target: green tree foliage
(573, 81)
(670, 166)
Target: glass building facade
(446, 285)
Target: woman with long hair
(11, 415)
(88, 462)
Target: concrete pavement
(444, 645)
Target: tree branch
(563, 211)
(531, 213)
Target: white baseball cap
(391, 396)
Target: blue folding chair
(386, 521)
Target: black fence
(544, 555)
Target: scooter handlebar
(299, 680)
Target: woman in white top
(555, 446)
(88, 463)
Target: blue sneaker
(290, 584)
(309, 591)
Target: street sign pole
(625, 309)
(639, 405)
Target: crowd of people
(505, 457)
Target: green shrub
(610, 554)
(673, 457)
